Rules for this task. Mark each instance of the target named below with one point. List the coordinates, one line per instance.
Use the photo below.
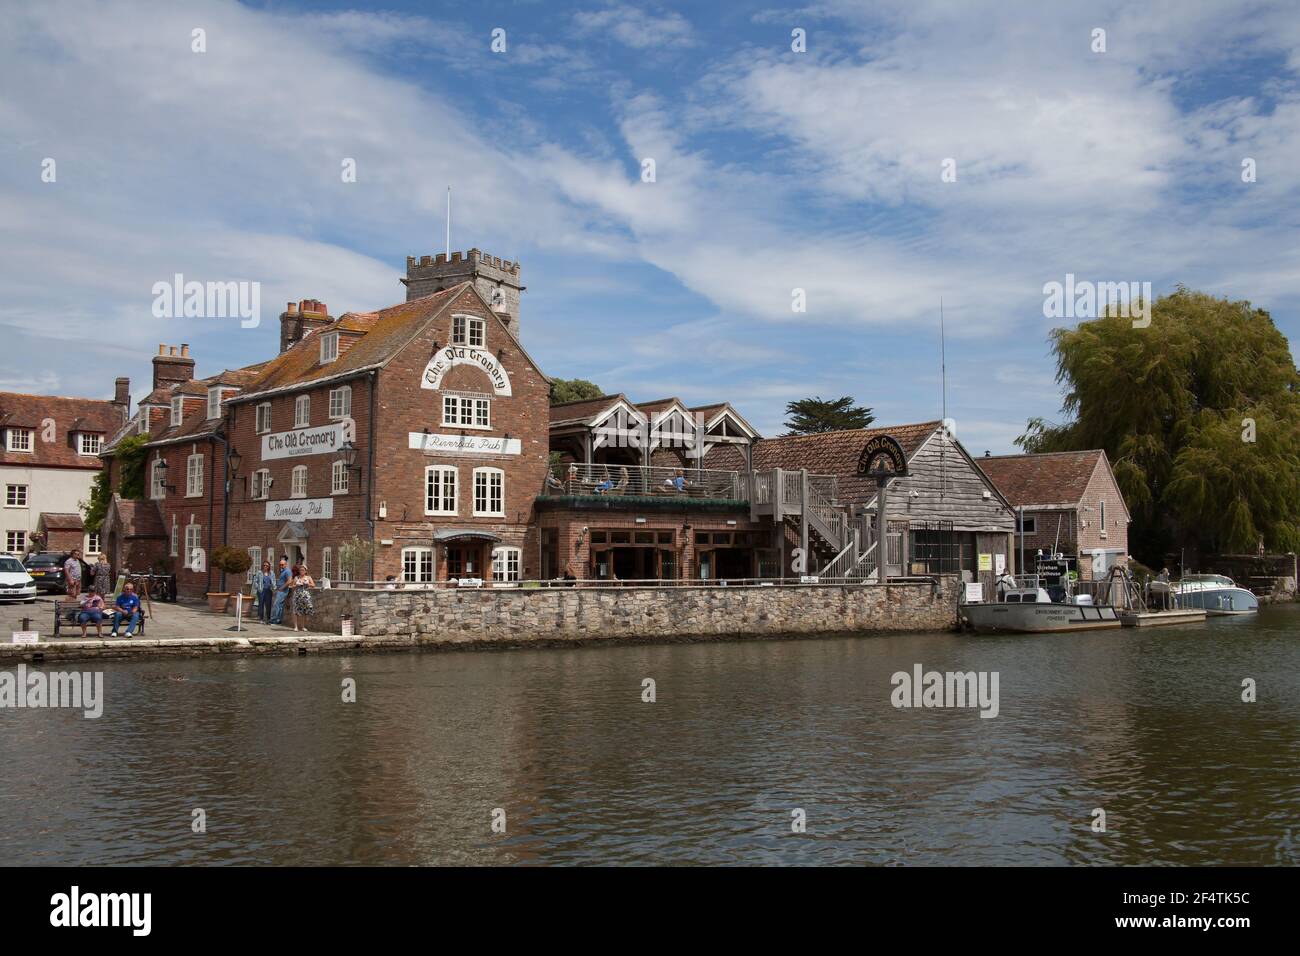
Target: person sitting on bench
(128, 607)
(92, 612)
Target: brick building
(418, 431)
(1070, 503)
(49, 456)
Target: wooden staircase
(806, 504)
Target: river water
(1148, 725)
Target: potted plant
(227, 560)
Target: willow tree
(1199, 413)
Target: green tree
(573, 390)
(131, 454)
(1172, 405)
(355, 555)
(808, 416)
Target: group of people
(92, 604)
(276, 590)
(285, 587)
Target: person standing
(283, 576)
(303, 606)
(72, 574)
(102, 575)
(264, 588)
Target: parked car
(15, 583)
(46, 569)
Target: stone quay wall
(521, 616)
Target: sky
(911, 154)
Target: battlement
(461, 259)
(496, 279)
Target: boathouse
(1068, 503)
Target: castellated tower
(497, 280)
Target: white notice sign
(974, 592)
(300, 509)
(27, 637)
(321, 440)
(433, 444)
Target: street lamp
(233, 460)
(349, 452)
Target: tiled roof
(136, 519)
(650, 409)
(583, 409)
(1058, 478)
(825, 453)
(61, 521)
(386, 331)
(69, 415)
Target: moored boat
(1039, 603)
(1216, 594)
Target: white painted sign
(300, 509)
(974, 592)
(469, 582)
(452, 355)
(321, 440)
(999, 564)
(27, 637)
(433, 444)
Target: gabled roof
(91, 415)
(586, 411)
(61, 521)
(711, 413)
(1055, 479)
(135, 519)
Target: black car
(46, 570)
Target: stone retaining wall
(520, 617)
(562, 615)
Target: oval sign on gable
(882, 457)
(465, 355)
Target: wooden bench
(65, 615)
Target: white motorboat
(1216, 594)
(1039, 603)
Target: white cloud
(636, 28)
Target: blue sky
(775, 170)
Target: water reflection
(1148, 725)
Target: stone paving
(167, 622)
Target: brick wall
(1103, 490)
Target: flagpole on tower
(449, 224)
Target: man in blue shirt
(128, 606)
(281, 591)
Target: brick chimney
(171, 367)
(299, 319)
(122, 396)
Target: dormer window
(467, 330)
(89, 443)
(214, 403)
(329, 347)
(178, 411)
(20, 439)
